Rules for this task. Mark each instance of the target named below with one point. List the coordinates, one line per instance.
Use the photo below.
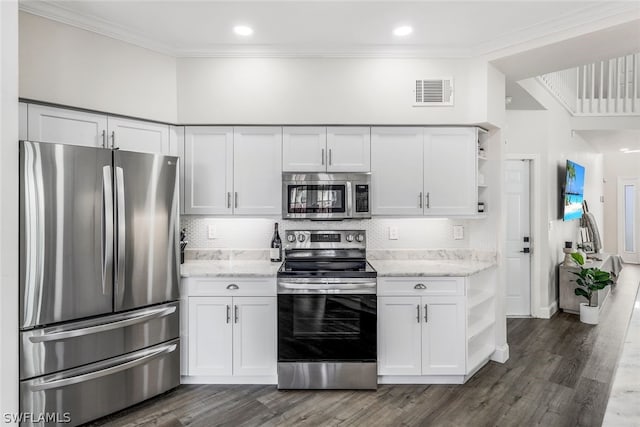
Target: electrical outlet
(458, 232)
(211, 231)
(393, 233)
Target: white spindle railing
(607, 87)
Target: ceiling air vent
(434, 92)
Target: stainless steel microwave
(326, 196)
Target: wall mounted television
(573, 191)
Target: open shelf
(483, 158)
(478, 297)
(478, 326)
(479, 355)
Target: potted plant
(589, 280)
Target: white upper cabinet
(136, 135)
(23, 132)
(348, 149)
(397, 171)
(232, 171)
(320, 149)
(62, 126)
(424, 171)
(450, 168)
(208, 170)
(257, 171)
(304, 149)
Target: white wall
(255, 233)
(67, 65)
(616, 165)
(325, 90)
(8, 210)
(547, 135)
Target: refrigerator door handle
(145, 357)
(122, 232)
(106, 245)
(57, 334)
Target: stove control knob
(360, 237)
(349, 237)
(291, 238)
(301, 238)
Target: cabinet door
(210, 336)
(348, 149)
(397, 171)
(443, 336)
(137, 135)
(450, 168)
(254, 336)
(62, 126)
(304, 149)
(257, 171)
(399, 332)
(208, 170)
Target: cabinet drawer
(400, 286)
(229, 286)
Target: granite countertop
(229, 268)
(429, 267)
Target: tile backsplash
(255, 233)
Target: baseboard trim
(549, 311)
(421, 379)
(204, 379)
(501, 355)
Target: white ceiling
(612, 140)
(331, 28)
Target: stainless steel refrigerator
(99, 321)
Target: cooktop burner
(309, 268)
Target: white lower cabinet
(230, 336)
(421, 335)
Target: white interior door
(518, 238)
(629, 219)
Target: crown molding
(590, 18)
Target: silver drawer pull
(419, 286)
(233, 286)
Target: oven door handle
(360, 287)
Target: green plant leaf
(581, 292)
(578, 258)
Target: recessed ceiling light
(624, 149)
(405, 30)
(243, 30)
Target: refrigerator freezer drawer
(93, 391)
(47, 350)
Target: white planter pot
(589, 314)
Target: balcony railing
(605, 88)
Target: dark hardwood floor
(559, 374)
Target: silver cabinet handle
(64, 382)
(228, 313)
(426, 313)
(322, 157)
(233, 286)
(418, 313)
(235, 200)
(428, 201)
(104, 138)
(420, 200)
(61, 333)
(229, 199)
(113, 139)
(419, 286)
(106, 246)
(330, 157)
(235, 314)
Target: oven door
(317, 200)
(327, 327)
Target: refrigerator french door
(99, 320)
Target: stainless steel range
(327, 312)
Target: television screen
(573, 191)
